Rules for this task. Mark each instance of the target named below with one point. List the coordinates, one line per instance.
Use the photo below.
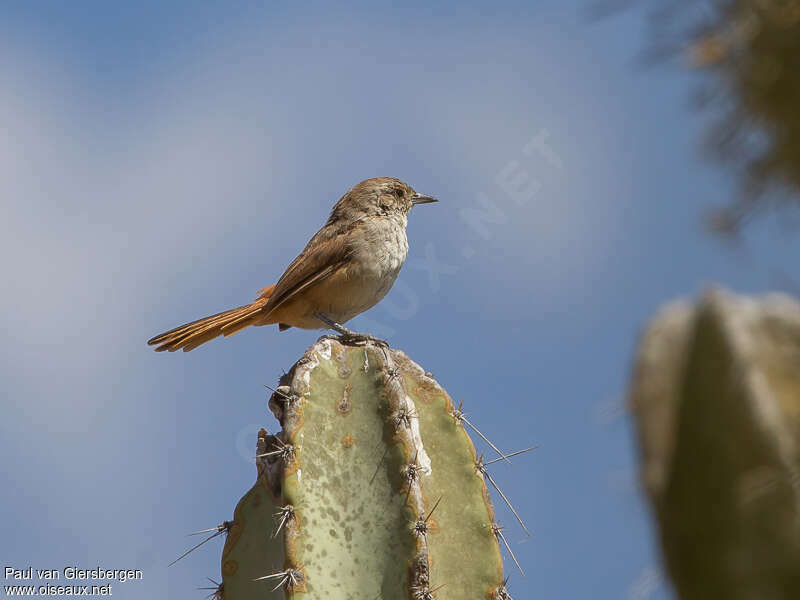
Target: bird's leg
(349, 336)
(354, 337)
(338, 328)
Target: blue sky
(161, 162)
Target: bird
(346, 268)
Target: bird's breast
(377, 257)
(378, 249)
(381, 251)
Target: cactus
(716, 398)
(371, 490)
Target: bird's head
(379, 196)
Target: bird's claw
(357, 339)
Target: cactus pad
(369, 491)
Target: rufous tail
(191, 335)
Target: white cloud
(101, 211)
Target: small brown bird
(346, 268)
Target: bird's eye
(399, 193)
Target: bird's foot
(349, 337)
(359, 339)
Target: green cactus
(370, 490)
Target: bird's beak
(422, 199)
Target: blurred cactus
(372, 490)
(716, 397)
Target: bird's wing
(323, 256)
